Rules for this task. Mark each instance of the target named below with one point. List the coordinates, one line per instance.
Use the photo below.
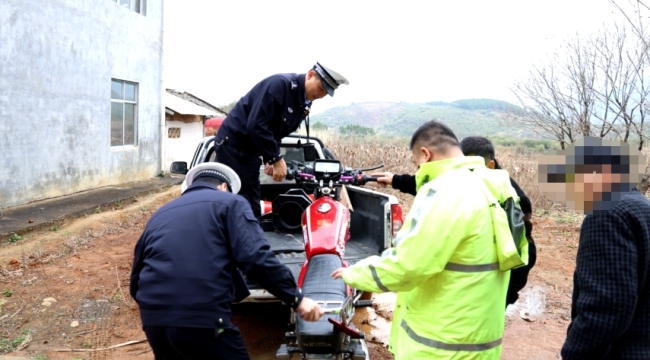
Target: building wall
(183, 147)
(57, 58)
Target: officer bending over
(273, 109)
(182, 269)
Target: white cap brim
(235, 182)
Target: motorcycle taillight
(398, 219)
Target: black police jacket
(185, 258)
(273, 109)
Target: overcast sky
(414, 51)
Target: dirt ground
(64, 293)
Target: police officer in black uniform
(185, 264)
(273, 109)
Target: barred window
(124, 113)
(174, 133)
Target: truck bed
(289, 243)
(290, 251)
(367, 234)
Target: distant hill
(466, 117)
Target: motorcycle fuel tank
(325, 224)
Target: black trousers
(180, 343)
(519, 276)
(248, 169)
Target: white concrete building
(184, 125)
(80, 95)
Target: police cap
(215, 170)
(329, 78)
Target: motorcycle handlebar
(348, 177)
(343, 180)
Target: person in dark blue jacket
(482, 146)
(185, 263)
(271, 110)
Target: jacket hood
(498, 183)
(507, 219)
(431, 170)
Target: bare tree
(580, 74)
(594, 85)
(637, 15)
(623, 89)
(544, 116)
(558, 97)
(636, 56)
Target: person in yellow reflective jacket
(450, 261)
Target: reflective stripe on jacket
(444, 265)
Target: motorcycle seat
(319, 285)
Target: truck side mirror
(310, 151)
(178, 167)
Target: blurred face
(589, 187)
(313, 86)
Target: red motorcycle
(325, 227)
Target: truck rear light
(267, 207)
(398, 219)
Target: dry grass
(521, 163)
(394, 154)
(522, 168)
